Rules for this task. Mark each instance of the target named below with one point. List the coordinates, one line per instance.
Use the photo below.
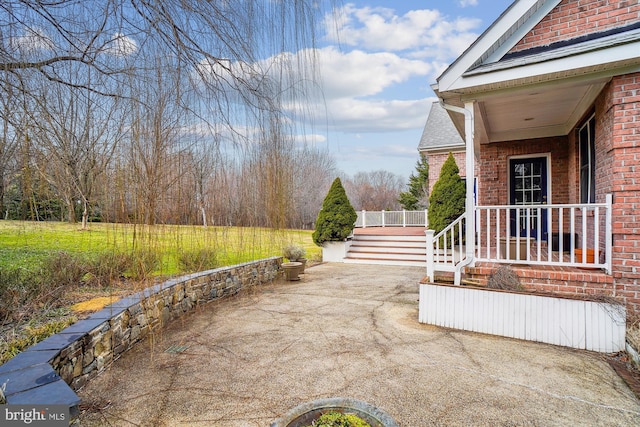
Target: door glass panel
(528, 187)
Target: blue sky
(377, 69)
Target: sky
(377, 64)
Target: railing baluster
(608, 233)
(585, 235)
(596, 235)
(488, 233)
(561, 247)
(498, 216)
(572, 252)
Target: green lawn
(40, 281)
(24, 244)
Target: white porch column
(470, 206)
(470, 160)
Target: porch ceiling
(534, 111)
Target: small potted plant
(295, 253)
(335, 411)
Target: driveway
(348, 330)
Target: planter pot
(335, 251)
(291, 270)
(591, 259)
(303, 261)
(513, 249)
(305, 414)
(590, 256)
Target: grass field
(26, 244)
(53, 273)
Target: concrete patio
(348, 330)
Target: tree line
(148, 111)
(179, 111)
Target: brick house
(547, 101)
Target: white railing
(576, 235)
(445, 250)
(391, 218)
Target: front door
(528, 184)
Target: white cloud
(465, 3)
(426, 30)
(121, 45)
(353, 95)
(354, 115)
(362, 83)
(360, 74)
(34, 39)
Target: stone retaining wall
(43, 373)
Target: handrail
(446, 250)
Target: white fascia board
(622, 56)
(443, 148)
(486, 41)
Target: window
(586, 137)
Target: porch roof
(539, 92)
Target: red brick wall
(574, 18)
(435, 165)
(620, 115)
(493, 174)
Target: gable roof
(439, 133)
(530, 78)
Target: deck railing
(576, 235)
(391, 218)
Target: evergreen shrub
(337, 217)
(448, 197)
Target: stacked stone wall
(86, 348)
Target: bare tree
(13, 121)
(377, 190)
(314, 171)
(175, 66)
(79, 132)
